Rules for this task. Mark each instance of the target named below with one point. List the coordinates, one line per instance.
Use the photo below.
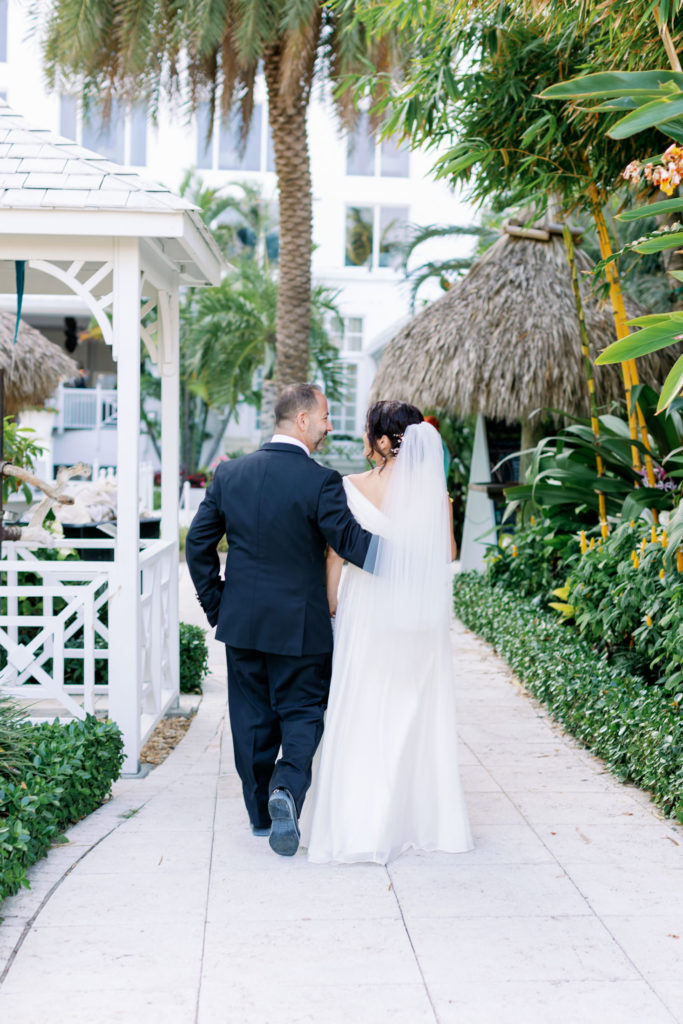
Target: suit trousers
(276, 702)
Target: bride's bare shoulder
(360, 480)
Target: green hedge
(70, 771)
(636, 727)
(194, 658)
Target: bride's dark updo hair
(390, 419)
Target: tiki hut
(33, 367)
(504, 341)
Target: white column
(124, 606)
(480, 518)
(169, 355)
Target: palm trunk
(287, 115)
(268, 396)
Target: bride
(386, 776)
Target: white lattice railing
(158, 632)
(55, 653)
(86, 408)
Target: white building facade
(366, 197)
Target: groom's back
(274, 597)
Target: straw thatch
(33, 367)
(505, 341)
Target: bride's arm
(333, 570)
(454, 546)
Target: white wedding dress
(385, 777)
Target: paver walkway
(164, 908)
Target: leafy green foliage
(533, 560)
(194, 658)
(637, 728)
(20, 448)
(69, 774)
(632, 606)
(562, 480)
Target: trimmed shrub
(194, 658)
(637, 728)
(69, 774)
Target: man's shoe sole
(284, 832)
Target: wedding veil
(412, 562)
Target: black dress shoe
(284, 833)
(257, 830)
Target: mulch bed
(166, 736)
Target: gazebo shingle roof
(39, 168)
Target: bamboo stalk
(588, 368)
(619, 313)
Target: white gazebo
(87, 227)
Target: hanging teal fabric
(20, 268)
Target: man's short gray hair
(295, 398)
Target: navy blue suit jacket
(279, 510)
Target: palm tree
(194, 50)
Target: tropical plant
(479, 70)
(563, 483)
(446, 271)
(21, 449)
(195, 52)
(228, 332)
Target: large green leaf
(615, 83)
(656, 112)
(669, 240)
(652, 210)
(647, 340)
(672, 385)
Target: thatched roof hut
(504, 340)
(33, 367)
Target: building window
(392, 235)
(107, 138)
(123, 139)
(347, 335)
(343, 414)
(359, 236)
(394, 160)
(221, 148)
(3, 30)
(375, 236)
(68, 117)
(138, 137)
(360, 148)
(365, 156)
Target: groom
(279, 509)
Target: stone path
(164, 908)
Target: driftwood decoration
(504, 340)
(35, 532)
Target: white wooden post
(169, 355)
(480, 517)
(124, 607)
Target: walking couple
(385, 777)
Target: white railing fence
(85, 408)
(54, 631)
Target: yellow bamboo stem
(636, 419)
(619, 313)
(588, 369)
